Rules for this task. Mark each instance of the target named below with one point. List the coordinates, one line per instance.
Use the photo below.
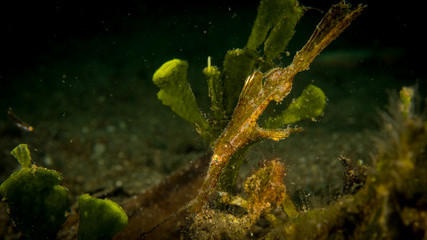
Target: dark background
(29, 29)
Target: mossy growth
(99, 218)
(37, 203)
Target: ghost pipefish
(20, 124)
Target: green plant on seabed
(38, 204)
(233, 127)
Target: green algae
(310, 104)
(99, 218)
(213, 78)
(38, 204)
(176, 93)
(238, 65)
(277, 19)
(273, 27)
(406, 96)
(233, 126)
(224, 85)
(22, 154)
(36, 201)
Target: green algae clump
(36, 201)
(38, 205)
(99, 218)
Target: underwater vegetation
(36, 200)
(38, 204)
(233, 127)
(390, 203)
(384, 201)
(380, 203)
